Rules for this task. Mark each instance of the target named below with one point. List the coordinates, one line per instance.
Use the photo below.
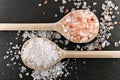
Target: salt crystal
(103, 44)
(7, 52)
(113, 16)
(55, 0)
(8, 65)
(103, 6)
(84, 62)
(77, 4)
(27, 74)
(12, 58)
(116, 8)
(78, 46)
(57, 36)
(20, 75)
(10, 43)
(119, 41)
(39, 4)
(94, 3)
(64, 1)
(17, 56)
(115, 22)
(118, 12)
(66, 42)
(107, 17)
(61, 9)
(56, 15)
(84, 3)
(116, 44)
(14, 63)
(51, 73)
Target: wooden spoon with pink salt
(78, 26)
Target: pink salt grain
(80, 26)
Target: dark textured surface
(28, 11)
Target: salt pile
(39, 53)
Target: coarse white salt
(116, 8)
(64, 1)
(56, 15)
(113, 16)
(27, 74)
(51, 73)
(39, 4)
(10, 43)
(55, 0)
(116, 44)
(119, 41)
(94, 3)
(115, 22)
(20, 75)
(61, 9)
(77, 4)
(39, 52)
(84, 62)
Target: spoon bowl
(68, 54)
(60, 26)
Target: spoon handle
(92, 54)
(27, 26)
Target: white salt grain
(20, 75)
(64, 1)
(116, 8)
(119, 41)
(27, 74)
(56, 15)
(40, 52)
(61, 9)
(39, 4)
(51, 73)
(116, 44)
(94, 3)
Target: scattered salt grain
(116, 44)
(51, 73)
(77, 4)
(94, 3)
(55, 0)
(115, 22)
(20, 75)
(39, 4)
(56, 15)
(61, 9)
(64, 1)
(8, 64)
(113, 16)
(27, 74)
(116, 8)
(84, 62)
(78, 46)
(10, 43)
(66, 42)
(118, 12)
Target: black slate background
(27, 11)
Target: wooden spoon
(70, 54)
(57, 26)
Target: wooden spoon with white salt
(79, 26)
(41, 54)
